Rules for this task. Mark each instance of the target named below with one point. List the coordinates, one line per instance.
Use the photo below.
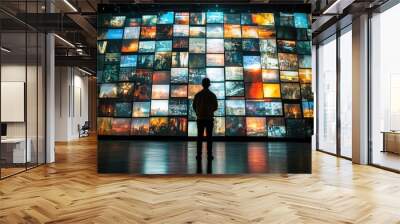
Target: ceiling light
(65, 41)
(84, 71)
(326, 11)
(5, 50)
(70, 5)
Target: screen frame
(204, 7)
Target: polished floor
(9, 171)
(179, 157)
(71, 191)
(386, 159)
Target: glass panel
(346, 94)
(41, 99)
(23, 90)
(13, 87)
(31, 98)
(385, 84)
(327, 96)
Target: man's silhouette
(204, 104)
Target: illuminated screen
(152, 62)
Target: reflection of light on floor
(257, 159)
(277, 158)
(386, 159)
(161, 157)
(155, 161)
(219, 152)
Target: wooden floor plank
(71, 191)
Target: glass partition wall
(334, 108)
(326, 99)
(345, 97)
(385, 89)
(334, 93)
(22, 77)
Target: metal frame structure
(339, 32)
(200, 7)
(389, 4)
(36, 34)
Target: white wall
(16, 73)
(62, 83)
(71, 102)
(33, 127)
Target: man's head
(206, 83)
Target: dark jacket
(204, 104)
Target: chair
(84, 130)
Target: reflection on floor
(150, 157)
(386, 159)
(8, 171)
(11, 169)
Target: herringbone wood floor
(70, 191)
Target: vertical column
(62, 103)
(314, 89)
(50, 92)
(92, 102)
(360, 90)
(338, 99)
(50, 98)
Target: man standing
(204, 104)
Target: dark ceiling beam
(90, 31)
(51, 22)
(79, 61)
(16, 18)
(91, 5)
(79, 20)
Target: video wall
(151, 64)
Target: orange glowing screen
(104, 125)
(308, 112)
(126, 89)
(193, 89)
(182, 18)
(179, 91)
(161, 77)
(130, 46)
(232, 31)
(158, 122)
(272, 90)
(263, 19)
(305, 75)
(254, 90)
(148, 32)
(249, 32)
(266, 32)
(121, 126)
(255, 126)
(292, 110)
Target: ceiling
(75, 20)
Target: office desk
(391, 141)
(15, 148)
